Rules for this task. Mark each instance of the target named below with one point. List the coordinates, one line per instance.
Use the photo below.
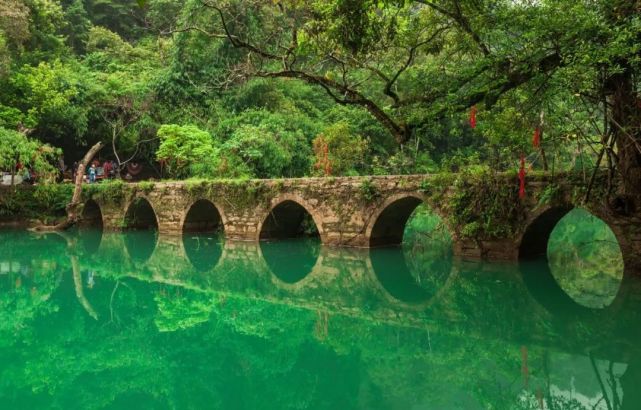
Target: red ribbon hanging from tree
(522, 178)
(473, 111)
(536, 138)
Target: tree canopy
(18, 150)
(265, 80)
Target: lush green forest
(252, 88)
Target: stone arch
(285, 217)
(203, 216)
(540, 225)
(140, 214)
(387, 224)
(535, 269)
(91, 215)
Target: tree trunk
(624, 119)
(74, 208)
(77, 281)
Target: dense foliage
(18, 151)
(291, 88)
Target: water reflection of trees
(273, 351)
(189, 339)
(30, 272)
(585, 259)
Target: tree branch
(351, 97)
(462, 21)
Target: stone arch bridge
(485, 216)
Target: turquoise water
(119, 321)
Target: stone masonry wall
(346, 210)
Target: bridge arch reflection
(140, 230)
(91, 226)
(291, 261)
(203, 250)
(415, 272)
(140, 244)
(408, 281)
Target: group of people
(108, 169)
(95, 172)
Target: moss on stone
(479, 203)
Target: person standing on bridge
(92, 174)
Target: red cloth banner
(536, 138)
(522, 178)
(473, 111)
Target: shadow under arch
(91, 215)
(140, 215)
(203, 216)
(203, 227)
(534, 242)
(389, 222)
(290, 218)
(140, 230)
(537, 275)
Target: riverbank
(29, 205)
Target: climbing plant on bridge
(478, 203)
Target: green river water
(92, 320)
